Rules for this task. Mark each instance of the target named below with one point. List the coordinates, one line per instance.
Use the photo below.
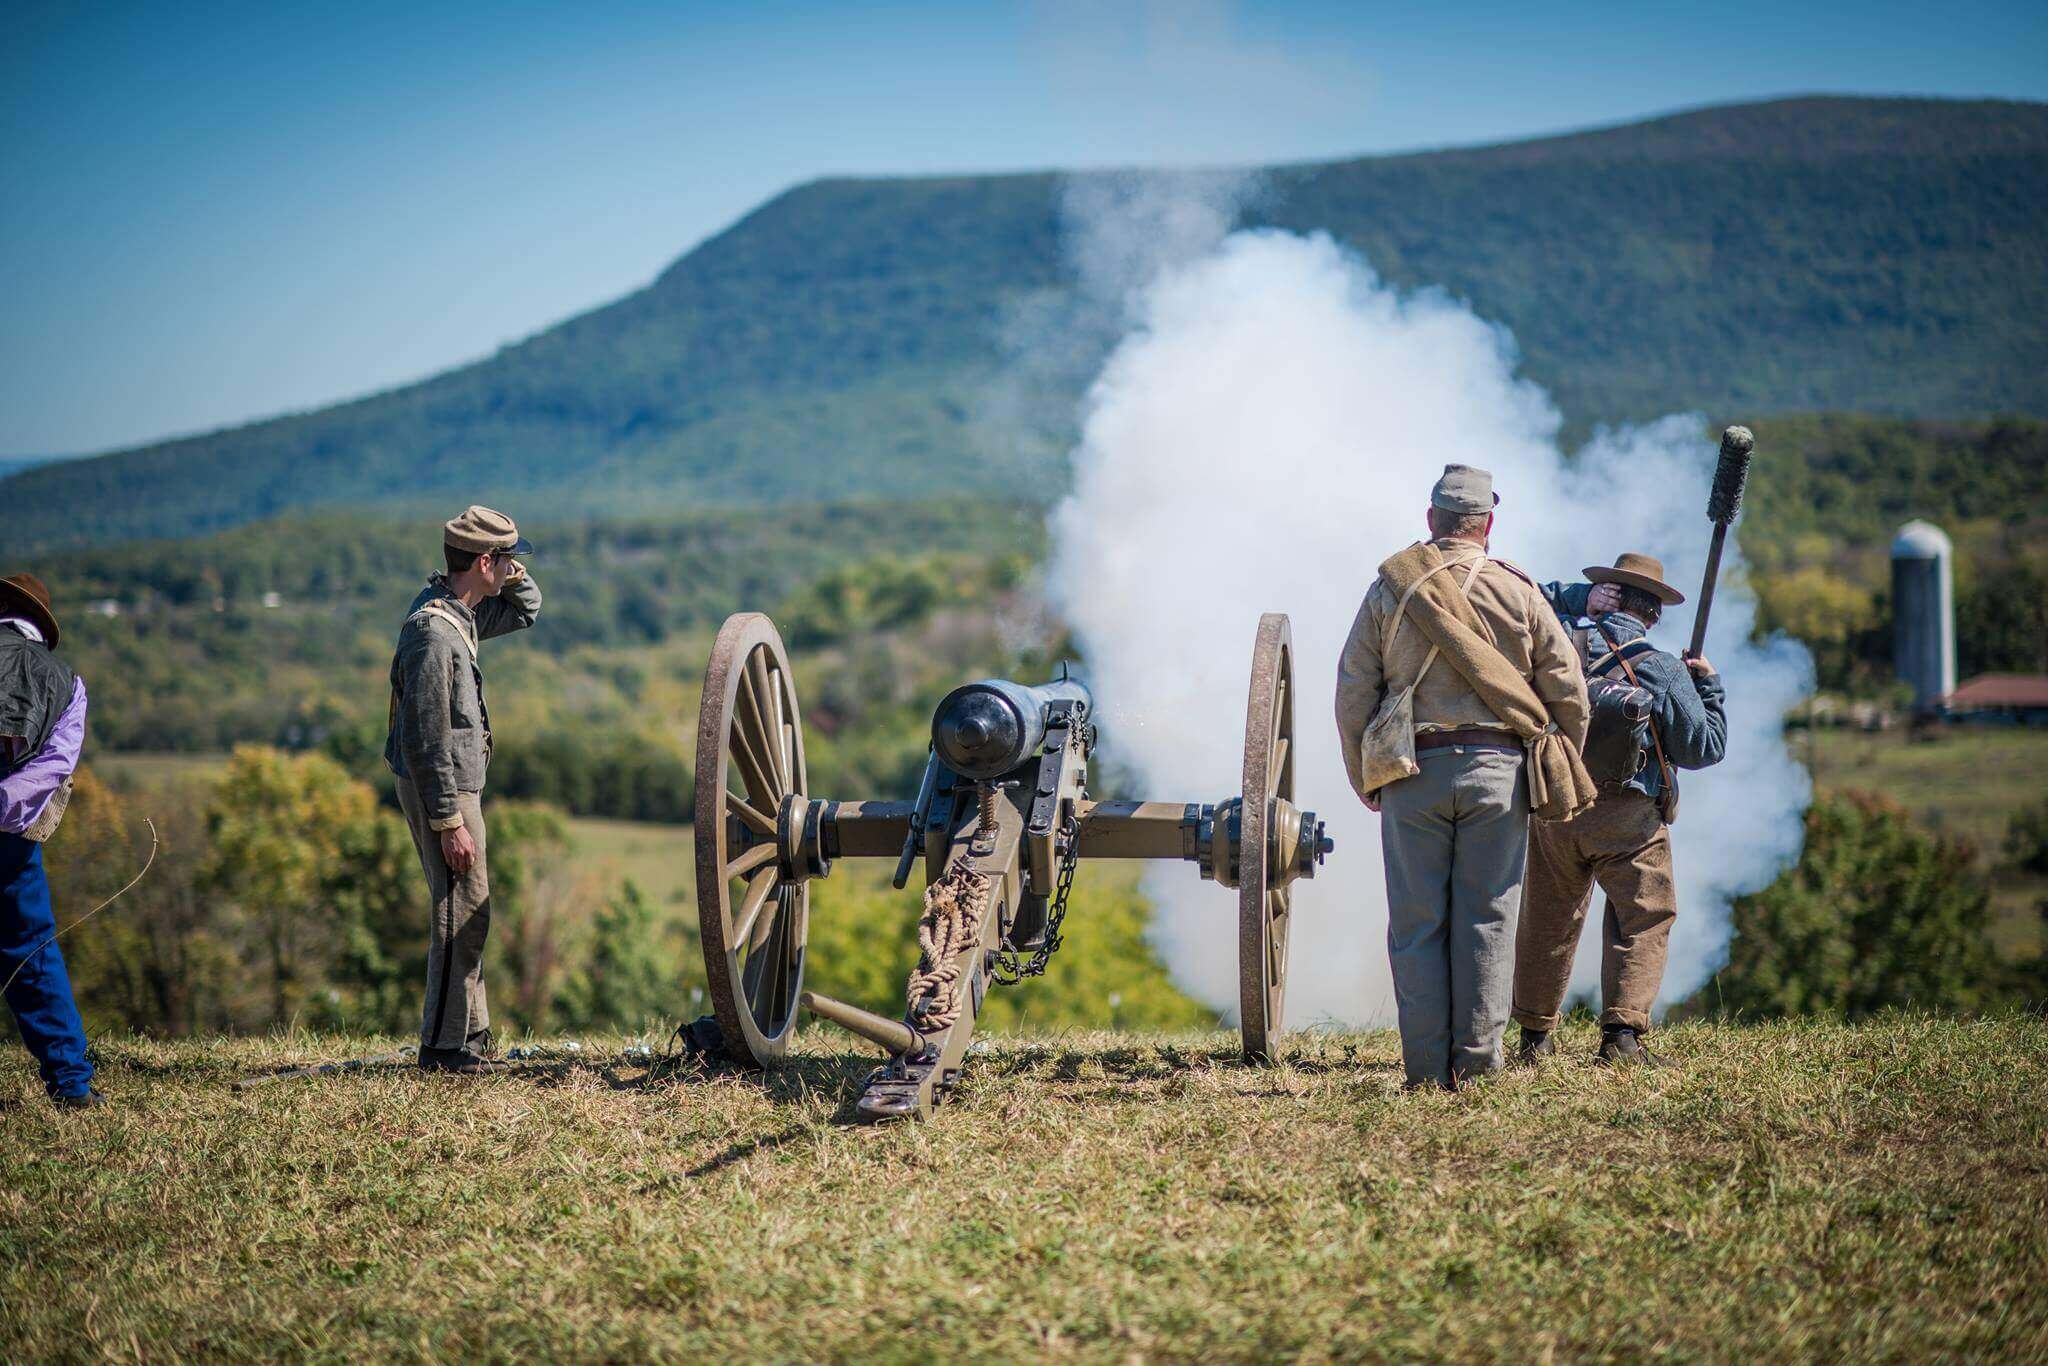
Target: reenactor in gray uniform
(1455, 834)
(1623, 843)
(439, 748)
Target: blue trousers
(44, 1009)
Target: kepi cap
(482, 530)
(1637, 571)
(1464, 489)
(27, 596)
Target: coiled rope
(953, 908)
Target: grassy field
(1961, 781)
(1870, 1193)
(660, 858)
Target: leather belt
(1472, 737)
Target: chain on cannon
(1001, 822)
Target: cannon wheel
(750, 761)
(1263, 909)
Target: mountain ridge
(842, 338)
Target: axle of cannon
(1001, 818)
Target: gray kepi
(1464, 489)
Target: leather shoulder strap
(1620, 654)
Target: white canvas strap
(439, 607)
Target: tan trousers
(1620, 844)
(455, 1009)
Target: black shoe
(88, 1099)
(461, 1061)
(482, 1044)
(1621, 1046)
(1537, 1045)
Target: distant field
(143, 769)
(1963, 781)
(1787, 1192)
(659, 858)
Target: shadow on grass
(1116, 1074)
(1163, 1062)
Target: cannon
(1001, 819)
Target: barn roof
(2000, 690)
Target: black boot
(1621, 1046)
(1537, 1045)
(88, 1099)
(461, 1061)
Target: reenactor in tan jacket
(1456, 834)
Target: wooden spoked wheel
(1264, 898)
(754, 917)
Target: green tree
(2026, 837)
(378, 900)
(631, 978)
(1878, 912)
(161, 958)
(280, 826)
(533, 891)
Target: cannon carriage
(1001, 820)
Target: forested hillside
(846, 338)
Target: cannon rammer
(1000, 822)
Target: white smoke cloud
(1265, 434)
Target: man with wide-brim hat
(1623, 843)
(42, 730)
(439, 748)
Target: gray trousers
(455, 1009)
(1455, 837)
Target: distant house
(2012, 699)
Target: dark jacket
(35, 687)
(1687, 711)
(440, 729)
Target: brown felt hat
(1637, 571)
(26, 595)
(482, 531)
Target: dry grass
(1873, 1192)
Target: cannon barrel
(983, 730)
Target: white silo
(1924, 613)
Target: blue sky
(215, 211)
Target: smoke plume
(1262, 435)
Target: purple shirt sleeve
(26, 791)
